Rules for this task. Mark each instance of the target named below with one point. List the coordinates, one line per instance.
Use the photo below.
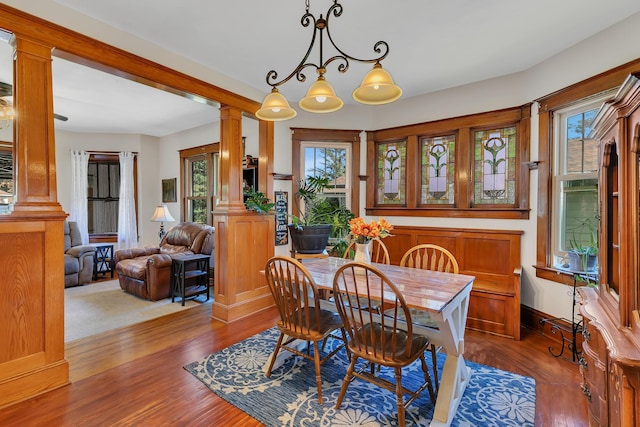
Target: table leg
(455, 374)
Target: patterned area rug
(289, 398)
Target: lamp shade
(321, 98)
(162, 214)
(377, 87)
(275, 108)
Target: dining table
(445, 296)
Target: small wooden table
(446, 297)
(102, 259)
(189, 276)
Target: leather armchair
(78, 258)
(146, 272)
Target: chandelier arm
(336, 10)
(306, 20)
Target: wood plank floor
(134, 376)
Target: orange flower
(363, 232)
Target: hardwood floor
(134, 376)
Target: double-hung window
(200, 181)
(332, 161)
(575, 180)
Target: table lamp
(161, 215)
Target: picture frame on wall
(169, 190)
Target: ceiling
(434, 45)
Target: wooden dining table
(445, 296)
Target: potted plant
(583, 254)
(318, 218)
(258, 202)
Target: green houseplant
(319, 218)
(258, 202)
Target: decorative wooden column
(244, 240)
(32, 264)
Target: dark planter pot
(311, 239)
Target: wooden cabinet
(610, 362)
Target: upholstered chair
(78, 258)
(146, 272)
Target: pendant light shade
(321, 98)
(275, 107)
(377, 87)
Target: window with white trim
(333, 161)
(575, 180)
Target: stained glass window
(438, 170)
(494, 166)
(391, 179)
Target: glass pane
(197, 209)
(494, 171)
(392, 160)
(438, 168)
(199, 178)
(102, 216)
(327, 162)
(579, 223)
(6, 122)
(582, 152)
(6, 180)
(114, 180)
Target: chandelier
(377, 87)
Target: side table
(189, 276)
(102, 259)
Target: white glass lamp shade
(162, 214)
(321, 98)
(377, 87)
(275, 108)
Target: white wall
(606, 50)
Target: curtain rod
(107, 153)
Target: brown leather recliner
(146, 272)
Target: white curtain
(79, 184)
(127, 229)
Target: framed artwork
(169, 190)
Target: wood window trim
(548, 105)
(300, 135)
(206, 150)
(463, 127)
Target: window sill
(557, 275)
(504, 213)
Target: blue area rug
(289, 398)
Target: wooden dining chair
(432, 257)
(301, 318)
(377, 339)
(379, 252)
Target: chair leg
(347, 379)
(434, 360)
(427, 378)
(316, 361)
(399, 397)
(274, 355)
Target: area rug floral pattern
(289, 397)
